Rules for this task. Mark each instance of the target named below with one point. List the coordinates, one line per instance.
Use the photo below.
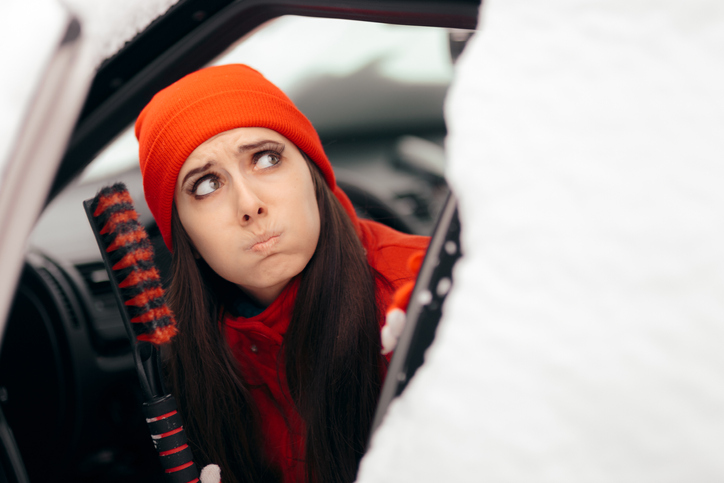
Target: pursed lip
(264, 242)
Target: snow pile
(583, 337)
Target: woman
(278, 288)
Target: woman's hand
(397, 311)
(210, 474)
(394, 324)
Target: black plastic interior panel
(425, 309)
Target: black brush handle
(169, 438)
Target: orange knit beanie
(203, 104)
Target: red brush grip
(169, 438)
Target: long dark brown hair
(331, 352)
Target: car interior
(371, 76)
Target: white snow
(582, 340)
(26, 44)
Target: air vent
(67, 307)
(96, 278)
(108, 333)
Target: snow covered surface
(582, 340)
(26, 47)
(30, 31)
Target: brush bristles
(131, 254)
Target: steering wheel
(372, 207)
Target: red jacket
(256, 341)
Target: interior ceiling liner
(109, 24)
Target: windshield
(387, 67)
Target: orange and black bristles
(130, 256)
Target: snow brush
(128, 257)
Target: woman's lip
(265, 245)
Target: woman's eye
(207, 186)
(267, 160)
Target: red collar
(274, 320)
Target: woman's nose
(249, 206)
(247, 217)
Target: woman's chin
(265, 294)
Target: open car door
(34, 154)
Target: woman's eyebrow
(242, 149)
(197, 170)
(252, 146)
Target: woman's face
(246, 199)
